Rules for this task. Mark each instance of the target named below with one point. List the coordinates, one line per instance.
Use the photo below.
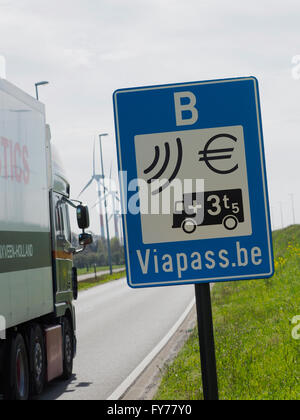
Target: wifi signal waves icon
(165, 165)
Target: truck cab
(61, 238)
(65, 287)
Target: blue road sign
(193, 183)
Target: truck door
(62, 252)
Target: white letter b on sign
(190, 107)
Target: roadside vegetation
(87, 284)
(96, 254)
(257, 358)
(91, 270)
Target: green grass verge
(87, 284)
(81, 271)
(257, 358)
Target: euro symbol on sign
(218, 154)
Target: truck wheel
(17, 375)
(189, 226)
(37, 360)
(68, 350)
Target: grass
(82, 271)
(87, 284)
(257, 358)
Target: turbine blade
(101, 199)
(86, 187)
(96, 204)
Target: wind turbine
(98, 178)
(115, 207)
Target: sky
(87, 49)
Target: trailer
(38, 282)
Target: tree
(96, 253)
(117, 252)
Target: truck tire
(17, 373)
(37, 357)
(68, 349)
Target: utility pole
(105, 207)
(281, 213)
(293, 208)
(98, 178)
(115, 215)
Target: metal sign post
(206, 342)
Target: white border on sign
(259, 124)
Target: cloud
(79, 57)
(117, 55)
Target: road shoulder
(146, 385)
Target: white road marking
(120, 391)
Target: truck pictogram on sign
(220, 208)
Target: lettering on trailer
(14, 164)
(16, 251)
(24, 250)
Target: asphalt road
(117, 327)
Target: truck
(38, 283)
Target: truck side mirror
(83, 218)
(85, 239)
